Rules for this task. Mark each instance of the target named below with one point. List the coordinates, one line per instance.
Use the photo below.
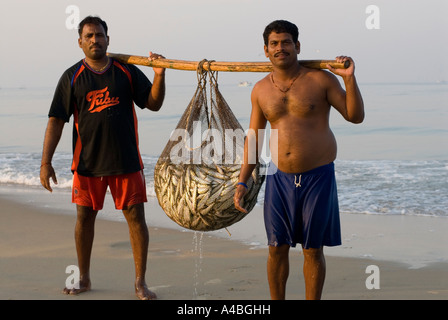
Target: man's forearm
(354, 102)
(250, 157)
(53, 134)
(157, 94)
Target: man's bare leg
(278, 271)
(139, 235)
(314, 269)
(84, 234)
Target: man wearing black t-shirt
(100, 94)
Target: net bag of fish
(196, 175)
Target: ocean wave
(393, 187)
(386, 187)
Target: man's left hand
(350, 71)
(155, 56)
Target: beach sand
(37, 246)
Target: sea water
(394, 163)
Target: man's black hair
(281, 26)
(92, 20)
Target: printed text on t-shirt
(100, 100)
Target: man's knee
(85, 214)
(279, 251)
(135, 213)
(314, 254)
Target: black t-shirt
(105, 131)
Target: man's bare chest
(298, 104)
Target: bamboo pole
(219, 65)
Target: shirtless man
(301, 204)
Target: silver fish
(200, 197)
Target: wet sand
(36, 247)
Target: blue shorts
(302, 208)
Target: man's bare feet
(142, 292)
(83, 287)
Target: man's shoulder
(319, 73)
(262, 83)
(69, 72)
(315, 72)
(132, 70)
(74, 67)
(67, 75)
(128, 66)
(320, 76)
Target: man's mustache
(281, 52)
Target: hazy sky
(411, 44)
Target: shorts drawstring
(300, 181)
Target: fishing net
(196, 175)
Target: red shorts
(126, 189)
